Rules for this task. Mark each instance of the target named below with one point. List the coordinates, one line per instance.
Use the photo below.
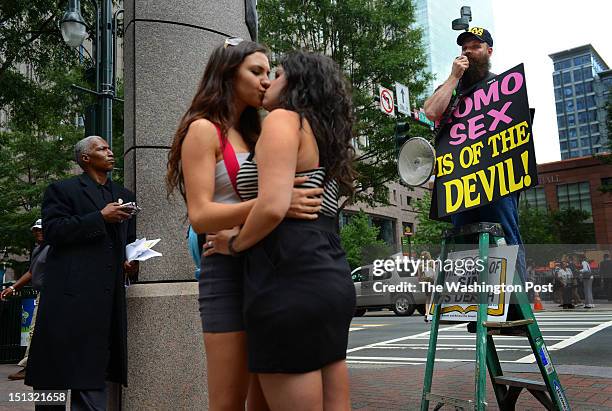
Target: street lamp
(74, 32)
(73, 27)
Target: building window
(562, 135)
(594, 128)
(563, 145)
(573, 143)
(534, 197)
(572, 132)
(586, 152)
(408, 200)
(585, 59)
(558, 94)
(567, 77)
(582, 117)
(579, 88)
(587, 72)
(576, 195)
(588, 87)
(563, 64)
(585, 142)
(584, 130)
(561, 121)
(580, 103)
(592, 115)
(595, 140)
(590, 101)
(394, 196)
(569, 106)
(386, 230)
(571, 120)
(559, 106)
(564, 155)
(577, 75)
(567, 91)
(557, 80)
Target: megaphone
(416, 161)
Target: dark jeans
(81, 400)
(505, 212)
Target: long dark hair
(317, 90)
(214, 101)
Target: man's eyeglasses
(232, 41)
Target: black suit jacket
(80, 336)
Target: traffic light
(401, 134)
(92, 120)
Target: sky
(527, 31)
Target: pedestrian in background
(566, 277)
(22, 282)
(605, 271)
(587, 282)
(80, 340)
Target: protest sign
(485, 151)
(460, 296)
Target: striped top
(247, 184)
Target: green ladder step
(548, 392)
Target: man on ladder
(493, 223)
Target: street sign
(387, 105)
(419, 115)
(403, 101)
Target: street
(388, 353)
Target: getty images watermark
(464, 273)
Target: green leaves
(375, 43)
(38, 136)
(361, 243)
(427, 231)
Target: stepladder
(520, 321)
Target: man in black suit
(80, 337)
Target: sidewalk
(400, 387)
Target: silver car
(397, 291)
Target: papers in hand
(141, 250)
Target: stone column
(167, 44)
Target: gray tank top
(224, 191)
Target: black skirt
(299, 298)
(221, 297)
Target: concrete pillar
(167, 44)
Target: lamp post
(73, 30)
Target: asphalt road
(576, 337)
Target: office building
(582, 83)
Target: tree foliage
(375, 43)
(360, 241)
(567, 226)
(37, 139)
(427, 231)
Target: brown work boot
(19, 375)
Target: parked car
(373, 292)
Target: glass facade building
(581, 81)
(434, 17)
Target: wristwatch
(13, 289)
(230, 246)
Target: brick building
(576, 183)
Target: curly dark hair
(318, 91)
(214, 101)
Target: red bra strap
(229, 157)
